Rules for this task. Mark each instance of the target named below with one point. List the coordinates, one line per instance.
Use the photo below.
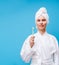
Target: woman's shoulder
(52, 36)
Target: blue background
(16, 20)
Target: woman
(42, 47)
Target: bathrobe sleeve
(26, 51)
(56, 52)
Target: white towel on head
(42, 12)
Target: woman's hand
(31, 40)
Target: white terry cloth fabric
(42, 12)
(44, 51)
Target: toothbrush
(32, 30)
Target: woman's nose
(41, 22)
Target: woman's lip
(41, 25)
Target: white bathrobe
(44, 51)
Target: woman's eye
(38, 20)
(43, 19)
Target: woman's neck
(42, 31)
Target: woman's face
(41, 23)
